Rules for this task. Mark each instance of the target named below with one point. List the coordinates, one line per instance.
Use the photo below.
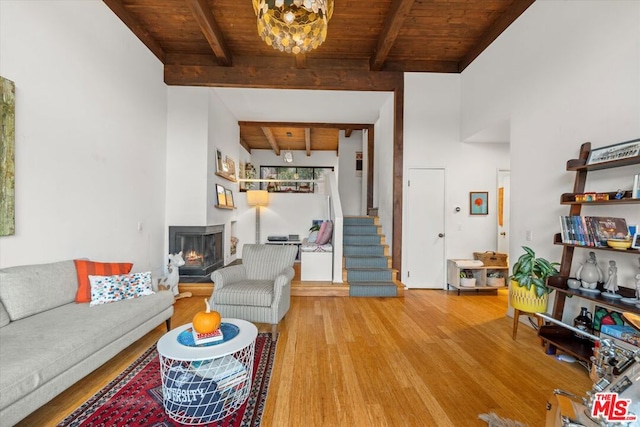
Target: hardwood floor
(431, 358)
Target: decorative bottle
(584, 322)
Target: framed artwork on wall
(229, 196)
(619, 151)
(479, 203)
(221, 195)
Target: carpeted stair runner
(367, 266)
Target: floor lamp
(257, 198)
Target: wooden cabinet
(557, 336)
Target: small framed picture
(479, 203)
(222, 197)
(619, 151)
(220, 166)
(635, 244)
(229, 196)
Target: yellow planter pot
(527, 300)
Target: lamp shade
(257, 197)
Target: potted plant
(466, 279)
(495, 278)
(528, 290)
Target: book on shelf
(593, 231)
(622, 332)
(208, 337)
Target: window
(296, 174)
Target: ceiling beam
(307, 140)
(492, 33)
(306, 125)
(347, 132)
(272, 140)
(118, 8)
(244, 144)
(398, 12)
(203, 15)
(273, 78)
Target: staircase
(366, 261)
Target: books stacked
(592, 230)
(206, 338)
(229, 374)
(622, 332)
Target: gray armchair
(259, 289)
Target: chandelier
(293, 26)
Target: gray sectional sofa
(48, 341)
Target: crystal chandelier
(293, 26)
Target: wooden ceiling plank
(393, 23)
(307, 140)
(203, 15)
(118, 8)
(272, 140)
(515, 10)
(246, 76)
(301, 61)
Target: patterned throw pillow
(106, 289)
(325, 233)
(84, 268)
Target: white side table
(202, 384)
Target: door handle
(440, 234)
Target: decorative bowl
(573, 283)
(619, 243)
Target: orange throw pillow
(86, 268)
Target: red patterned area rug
(134, 398)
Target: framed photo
(229, 196)
(479, 203)
(619, 151)
(221, 195)
(219, 161)
(635, 244)
(231, 166)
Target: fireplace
(202, 249)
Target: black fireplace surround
(202, 249)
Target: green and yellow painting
(7, 157)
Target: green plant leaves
(531, 271)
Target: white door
(502, 208)
(424, 229)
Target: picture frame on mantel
(479, 203)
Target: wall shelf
(556, 337)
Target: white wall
(90, 136)
(564, 73)
(224, 135)
(349, 184)
(383, 169)
(187, 156)
(432, 140)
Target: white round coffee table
(205, 383)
